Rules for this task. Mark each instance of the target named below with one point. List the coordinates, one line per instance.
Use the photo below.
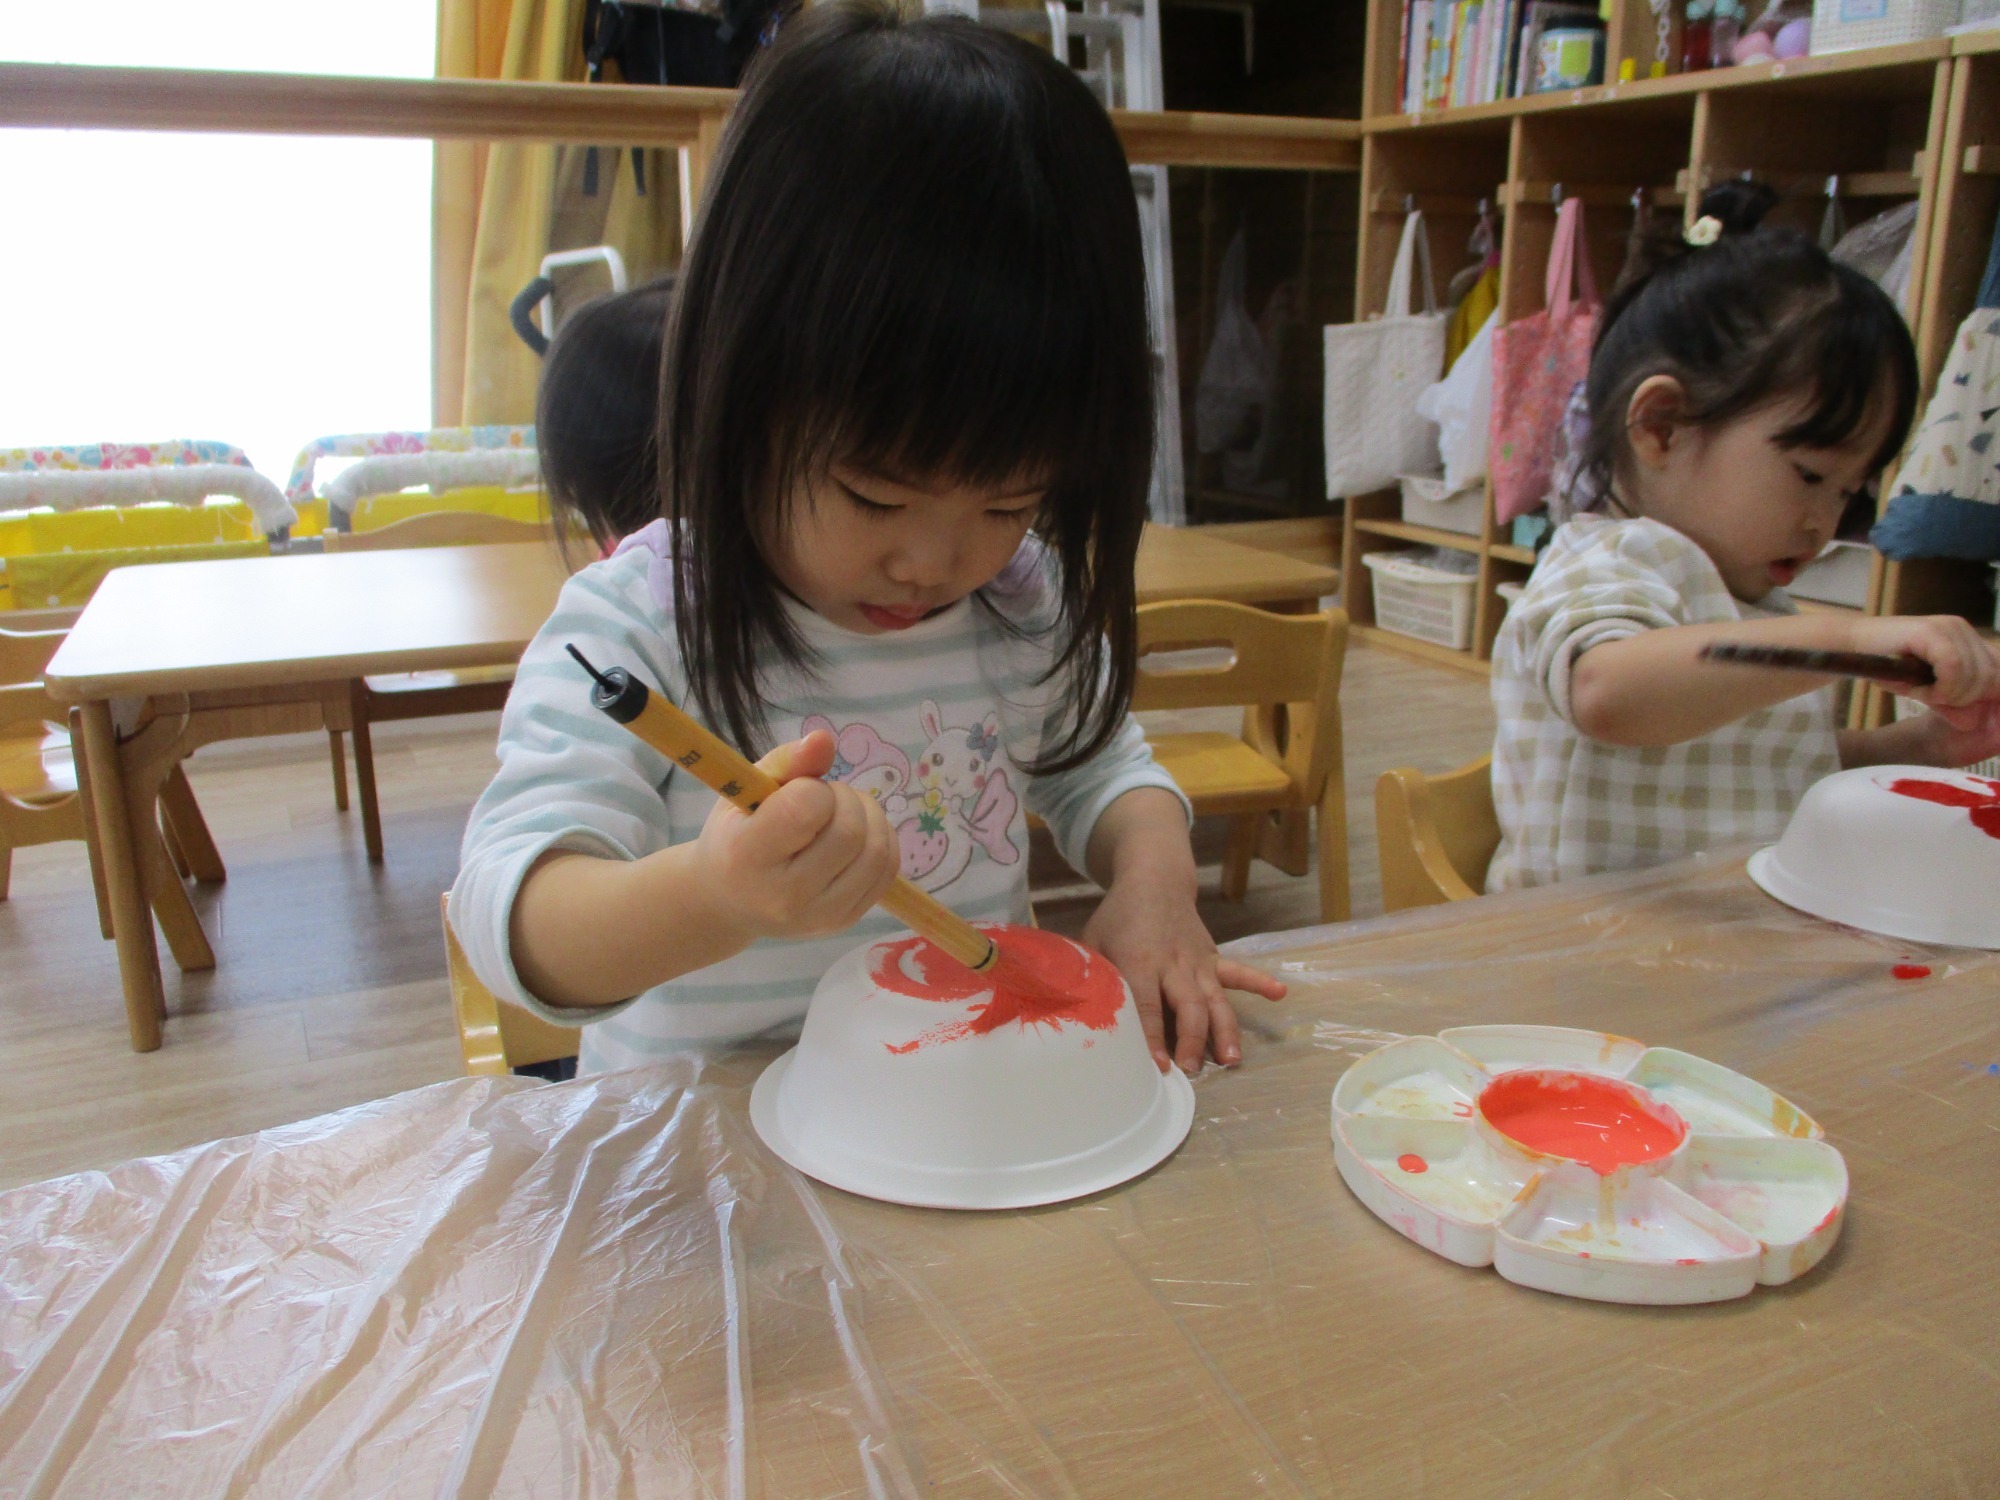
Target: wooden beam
(78, 98)
(1179, 138)
(51, 96)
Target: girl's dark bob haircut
(919, 256)
(1761, 316)
(597, 414)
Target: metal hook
(1556, 194)
(1485, 207)
(1638, 199)
(1409, 203)
(1833, 186)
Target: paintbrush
(1911, 670)
(731, 775)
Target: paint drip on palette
(1982, 807)
(1079, 988)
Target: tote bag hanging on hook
(1374, 373)
(1537, 360)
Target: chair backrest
(25, 654)
(439, 529)
(1435, 835)
(496, 1035)
(1284, 668)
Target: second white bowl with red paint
(1911, 852)
(918, 1083)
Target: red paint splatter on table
(1982, 807)
(1912, 971)
(1601, 1122)
(1409, 1161)
(1077, 987)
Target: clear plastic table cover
(609, 1288)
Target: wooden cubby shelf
(1915, 122)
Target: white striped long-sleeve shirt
(933, 721)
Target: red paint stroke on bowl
(1601, 1122)
(1912, 971)
(1982, 807)
(1409, 1161)
(1071, 985)
(1687, 1260)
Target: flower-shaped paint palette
(1588, 1164)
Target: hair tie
(1704, 231)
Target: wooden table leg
(131, 920)
(91, 841)
(190, 829)
(364, 771)
(147, 762)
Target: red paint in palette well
(1982, 807)
(1065, 984)
(1409, 1161)
(1912, 971)
(1601, 1122)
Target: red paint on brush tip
(1982, 807)
(1600, 1122)
(1912, 971)
(1042, 979)
(1409, 1161)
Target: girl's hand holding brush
(812, 860)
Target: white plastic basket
(1839, 575)
(1427, 502)
(1420, 601)
(1843, 25)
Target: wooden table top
(1183, 562)
(256, 621)
(498, 1287)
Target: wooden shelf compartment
(1427, 536)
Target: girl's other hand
(1153, 933)
(1961, 736)
(811, 860)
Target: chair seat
(433, 682)
(37, 768)
(1220, 773)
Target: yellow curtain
(498, 209)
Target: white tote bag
(1374, 373)
(1462, 406)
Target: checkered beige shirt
(1569, 806)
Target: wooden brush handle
(724, 771)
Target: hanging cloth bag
(1374, 373)
(1947, 500)
(1537, 361)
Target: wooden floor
(329, 988)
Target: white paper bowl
(1862, 851)
(956, 1102)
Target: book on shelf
(1462, 52)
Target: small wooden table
(241, 647)
(498, 1287)
(1182, 562)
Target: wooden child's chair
(496, 1035)
(1436, 834)
(1285, 673)
(44, 796)
(417, 695)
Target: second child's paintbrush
(1910, 670)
